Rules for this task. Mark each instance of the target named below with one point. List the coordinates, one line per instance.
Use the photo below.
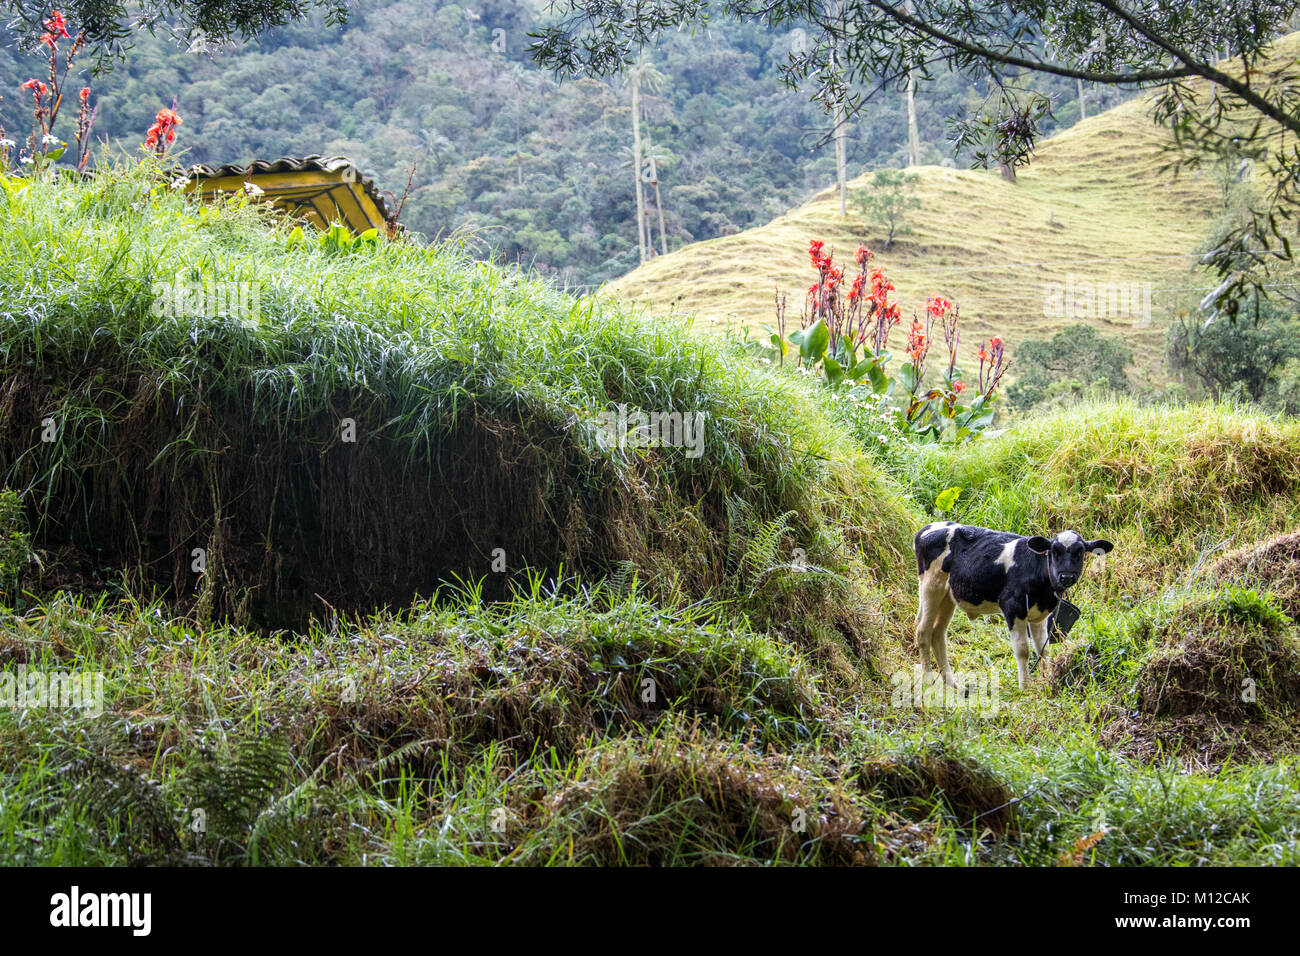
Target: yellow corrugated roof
(321, 190)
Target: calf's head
(1065, 554)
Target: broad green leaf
(908, 374)
(947, 498)
(815, 341)
(834, 370)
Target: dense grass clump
(395, 415)
(223, 718)
(1233, 656)
(1201, 673)
(1272, 566)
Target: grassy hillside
(662, 678)
(1093, 204)
(394, 416)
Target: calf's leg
(1039, 633)
(943, 608)
(924, 612)
(1019, 629)
(934, 611)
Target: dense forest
(539, 171)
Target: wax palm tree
(641, 77)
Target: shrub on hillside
(1235, 357)
(892, 192)
(1076, 358)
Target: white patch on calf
(1007, 559)
(1067, 538)
(948, 526)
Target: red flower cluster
(815, 254)
(56, 28)
(855, 291)
(38, 90)
(49, 97)
(937, 306)
(163, 131)
(993, 364)
(918, 343)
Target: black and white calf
(991, 572)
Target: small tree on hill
(886, 201)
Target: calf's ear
(1038, 544)
(1099, 547)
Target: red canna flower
(916, 342)
(937, 306)
(855, 293)
(57, 24)
(863, 256)
(958, 387)
(163, 131)
(85, 93)
(815, 252)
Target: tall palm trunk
(841, 146)
(1083, 106)
(663, 233)
(636, 163)
(913, 137)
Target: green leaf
(814, 343)
(947, 498)
(908, 375)
(879, 380)
(833, 369)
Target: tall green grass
(475, 389)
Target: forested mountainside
(538, 170)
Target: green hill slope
(1094, 206)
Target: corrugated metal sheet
(338, 168)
